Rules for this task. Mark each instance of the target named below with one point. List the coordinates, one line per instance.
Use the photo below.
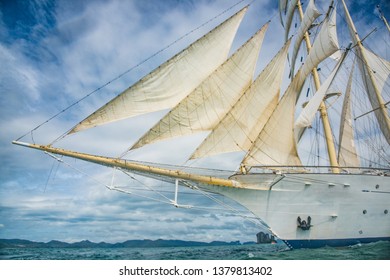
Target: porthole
(364, 211)
(377, 186)
(386, 211)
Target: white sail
(306, 117)
(203, 108)
(325, 42)
(380, 69)
(282, 9)
(310, 16)
(375, 75)
(347, 156)
(375, 72)
(275, 144)
(289, 17)
(165, 86)
(240, 127)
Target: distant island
(20, 243)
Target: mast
(370, 81)
(382, 17)
(323, 112)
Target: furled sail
(375, 71)
(311, 14)
(347, 156)
(240, 127)
(325, 42)
(306, 117)
(204, 107)
(165, 86)
(289, 17)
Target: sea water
(372, 251)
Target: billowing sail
(240, 127)
(276, 144)
(306, 117)
(165, 86)
(203, 108)
(289, 17)
(347, 156)
(375, 71)
(310, 16)
(326, 42)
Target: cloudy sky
(53, 53)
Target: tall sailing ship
(342, 202)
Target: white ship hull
(345, 209)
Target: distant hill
(20, 243)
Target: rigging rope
(225, 207)
(231, 208)
(126, 72)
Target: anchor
(303, 224)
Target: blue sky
(52, 53)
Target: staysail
(165, 86)
(375, 72)
(240, 127)
(347, 156)
(204, 107)
(276, 143)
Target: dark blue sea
(372, 251)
